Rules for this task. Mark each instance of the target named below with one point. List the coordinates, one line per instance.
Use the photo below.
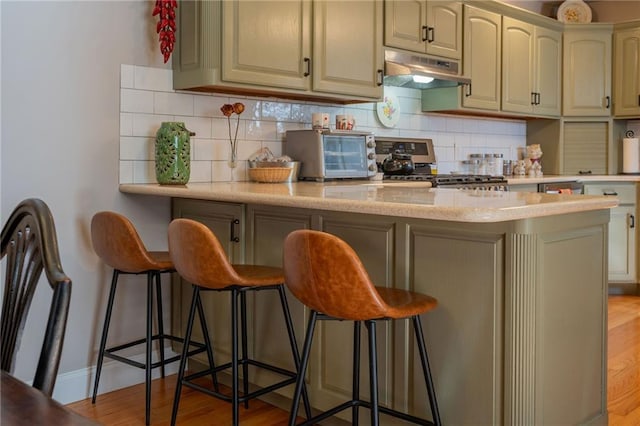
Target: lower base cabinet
(518, 336)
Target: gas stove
(483, 182)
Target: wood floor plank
(125, 407)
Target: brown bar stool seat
(200, 259)
(326, 275)
(116, 241)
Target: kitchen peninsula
(519, 336)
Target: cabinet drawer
(625, 192)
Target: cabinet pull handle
(610, 193)
(425, 33)
(538, 98)
(584, 172)
(234, 238)
(468, 91)
(638, 100)
(608, 98)
(633, 221)
(533, 98)
(431, 36)
(380, 77)
(307, 62)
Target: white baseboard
(78, 385)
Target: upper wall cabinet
(431, 27)
(587, 70)
(531, 68)
(626, 66)
(289, 48)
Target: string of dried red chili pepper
(166, 26)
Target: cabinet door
(587, 73)
(227, 223)
(627, 73)
(347, 47)
(548, 69)
(405, 24)
(482, 54)
(584, 148)
(622, 243)
(266, 43)
(444, 29)
(517, 65)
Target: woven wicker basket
(270, 174)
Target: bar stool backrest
(198, 256)
(118, 244)
(326, 274)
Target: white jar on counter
(498, 163)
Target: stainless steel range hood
(401, 67)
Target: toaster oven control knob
(373, 168)
(371, 156)
(371, 144)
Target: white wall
(60, 142)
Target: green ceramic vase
(173, 150)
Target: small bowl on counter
(274, 171)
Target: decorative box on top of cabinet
(430, 27)
(292, 48)
(586, 89)
(626, 70)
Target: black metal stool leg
(356, 371)
(294, 347)
(234, 357)
(417, 326)
(195, 301)
(208, 345)
(160, 321)
(243, 335)
(373, 373)
(306, 351)
(148, 348)
(105, 331)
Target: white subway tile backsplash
(126, 76)
(173, 103)
(156, 79)
(147, 100)
(132, 100)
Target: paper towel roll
(631, 155)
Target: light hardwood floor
(126, 406)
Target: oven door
(346, 156)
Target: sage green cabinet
(626, 65)
(227, 221)
(291, 49)
(431, 27)
(531, 68)
(587, 70)
(622, 229)
(482, 50)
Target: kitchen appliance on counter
(423, 156)
(332, 154)
(568, 187)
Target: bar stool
(327, 276)
(117, 243)
(200, 259)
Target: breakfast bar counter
(519, 334)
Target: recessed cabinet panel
(627, 73)
(342, 62)
(547, 81)
(444, 29)
(482, 58)
(266, 42)
(587, 72)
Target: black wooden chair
(29, 246)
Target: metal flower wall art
(228, 110)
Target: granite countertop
(523, 180)
(402, 199)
